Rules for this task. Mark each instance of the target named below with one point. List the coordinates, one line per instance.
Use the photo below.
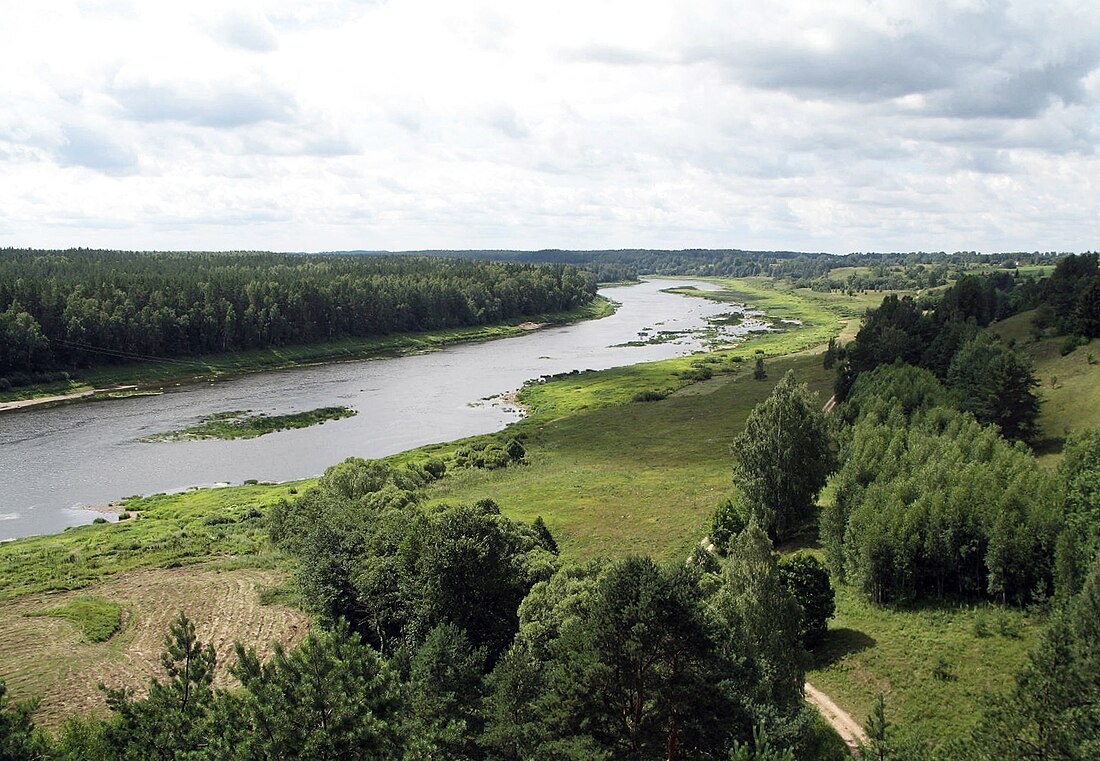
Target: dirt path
(848, 728)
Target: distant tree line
(61, 310)
(913, 270)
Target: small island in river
(243, 424)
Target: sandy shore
(43, 400)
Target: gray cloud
(94, 149)
(970, 64)
(248, 31)
(221, 106)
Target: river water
(55, 463)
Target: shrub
(807, 579)
(650, 396)
(1070, 344)
(100, 520)
(435, 468)
(124, 516)
(727, 522)
(495, 458)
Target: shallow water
(55, 462)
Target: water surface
(55, 462)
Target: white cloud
(420, 123)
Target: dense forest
(61, 310)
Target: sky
(434, 124)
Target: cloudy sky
(840, 126)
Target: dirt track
(848, 728)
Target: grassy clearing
(206, 366)
(241, 424)
(97, 619)
(635, 478)
(1069, 386)
(934, 663)
(48, 658)
(165, 531)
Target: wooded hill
(62, 310)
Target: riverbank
(102, 381)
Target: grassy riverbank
(231, 363)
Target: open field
(49, 658)
(932, 663)
(639, 478)
(1069, 386)
(206, 366)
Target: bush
(515, 450)
(100, 520)
(435, 468)
(649, 396)
(494, 458)
(697, 373)
(124, 516)
(727, 522)
(807, 579)
(5, 384)
(1070, 344)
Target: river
(58, 462)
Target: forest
(878, 271)
(62, 310)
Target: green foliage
(905, 387)
(994, 383)
(546, 539)
(649, 396)
(445, 693)
(330, 698)
(177, 717)
(726, 523)
(19, 740)
(760, 621)
(828, 361)
(782, 458)
(879, 732)
(759, 372)
(102, 307)
(760, 749)
(612, 662)
(1054, 710)
(943, 505)
(98, 619)
(368, 553)
(807, 580)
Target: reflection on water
(53, 461)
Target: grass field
(50, 658)
(1069, 386)
(637, 478)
